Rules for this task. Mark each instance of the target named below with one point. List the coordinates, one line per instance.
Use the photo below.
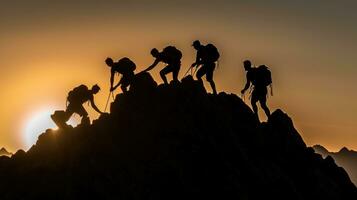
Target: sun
(38, 123)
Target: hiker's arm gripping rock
(153, 65)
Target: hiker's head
(109, 62)
(196, 44)
(247, 65)
(95, 89)
(154, 52)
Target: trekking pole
(106, 105)
(113, 96)
(187, 71)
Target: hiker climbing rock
(172, 57)
(124, 66)
(206, 57)
(75, 99)
(259, 78)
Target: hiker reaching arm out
(157, 60)
(94, 106)
(247, 84)
(157, 55)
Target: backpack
(125, 65)
(211, 53)
(262, 76)
(78, 94)
(171, 54)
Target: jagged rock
(175, 141)
(320, 149)
(4, 152)
(345, 158)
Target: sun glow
(38, 123)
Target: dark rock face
(345, 158)
(174, 142)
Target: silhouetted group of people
(258, 79)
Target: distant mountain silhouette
(4, 152)
(345, 158)
(174, 141)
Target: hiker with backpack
(75, 99)
(206, 57)
(172, 57)
(124, 66)
(259, 78)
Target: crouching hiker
(75, 100)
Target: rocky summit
(174, 141)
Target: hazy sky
(49, 47)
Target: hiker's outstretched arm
(95, 107)
(152, 66)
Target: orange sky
(47, 48)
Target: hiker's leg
(263, 104)
(59, 117)
(123, 88)
(85, 120)
(253, 101)
(68, 113)
(209, 77)
(201, 72)
(124, 83)
(175, 72)
(265, 108)
(121, 83)
(83, 113)
(163, 73)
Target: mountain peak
(344, 150)
(4, 152)
(176, 141)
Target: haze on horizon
(47, 48)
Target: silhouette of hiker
(260, 78)
(206, 57)
(75, 99)
(124, 66)
(172, 57)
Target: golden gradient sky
(48, 47)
